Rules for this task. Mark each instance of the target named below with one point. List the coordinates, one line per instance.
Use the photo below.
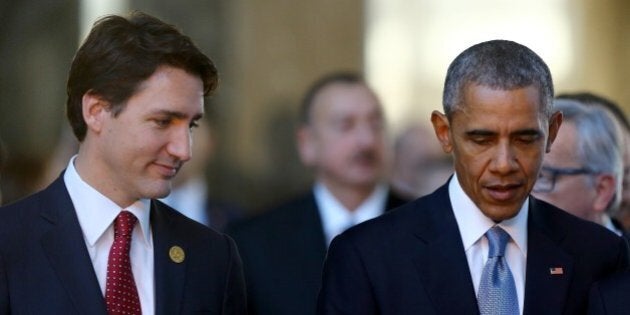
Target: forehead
(169, 89)
(485, 105)
(344, 99)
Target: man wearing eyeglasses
(583, 172)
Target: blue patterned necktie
(497, 292)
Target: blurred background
(268, 52)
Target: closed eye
(162, 122)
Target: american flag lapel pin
(556, 271)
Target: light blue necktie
(497, 292)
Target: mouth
(503, 192)
(168, 171)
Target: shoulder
(401, 223)
(182, 227)
(555, 220)
(51, 201)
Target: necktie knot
(497, 239)
(123, 224)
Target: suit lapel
(440, 258)
(65, 248)
(169, 275)
(548, 266)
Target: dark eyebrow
(178, 115)
(527, 132)
(480, 132)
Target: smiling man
(480, 243)
(96, 241)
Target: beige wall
(267, 52)
(602, 51)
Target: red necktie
(121, 294)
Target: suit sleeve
(346, 288)
(235, 297)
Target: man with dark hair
(480, 243)
(341, 136)
(96, 241)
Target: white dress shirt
(473, 225)
(96, 214)
(336, 218)
(608, 223)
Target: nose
(180, 144)
(504, 160)
(367, 135)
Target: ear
(307, 146)
(95, 110)
(554, 125)
(442, 130)
(605, 189)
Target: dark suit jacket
(611, 296)
(45, 267)
(283, 251)
(412, 261)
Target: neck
(87, 167)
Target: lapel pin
(177, 254)
(556, 271)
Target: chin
(498, 215)
(158, 192)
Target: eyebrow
(485, 132)
(480, 132)
(178, 115)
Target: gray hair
(499, 64)
(598, 141)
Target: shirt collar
(336, 218)
(473, 224)
(97, 212)
(609, 224)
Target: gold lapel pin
(177, 254)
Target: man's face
(498, 138)
(345, 140)
(573, 193)
(142, 149)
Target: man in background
(620, 119)
(583, 172)
(96, 241)
(341, 137)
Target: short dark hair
(345, 77)
(589, 98)
(120, 53)
(499, 64)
